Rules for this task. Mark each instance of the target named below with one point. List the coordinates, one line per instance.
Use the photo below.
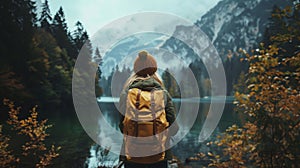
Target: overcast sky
(96, 13)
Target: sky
(94, 14)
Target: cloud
(96, 13)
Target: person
(145, 77)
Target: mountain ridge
(231, 25)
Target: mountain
(222, 31)
(231, 24)
(124, 52)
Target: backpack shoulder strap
(137, 103)
(136, 111)
(152, 106)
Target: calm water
(79, 150)
(187, 147)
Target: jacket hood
(145, 84)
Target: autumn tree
(33, 149)
(271, 136)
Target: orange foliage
(31, 129)
(271, 101)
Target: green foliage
(60, 32)
(201, 76)
(37, 62)
(16, 30)
(11, 85)
(97, 59)
(233, 69)
(52, 67)
(80, 35)
(170, 83)
(241, 86)
(45, 18)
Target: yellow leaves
(210, 154)
(290, 156)
(236, 144)
(237, 94)
(6, 157)
(262, 69)
(46, 159)
(288, 9)
(271, 101)
(252, 148)
(209, 143)
(241, 98)
(219, 144)
(273, 50)
(201, 155)
(33, 129)
(262, 44)
(23, 123)
(232, 128)
(251, 86)
(252, 94)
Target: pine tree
(45, 18)
(61, 34)
(98, 63)
(197, 68)
(170, 83)
(17, 22)
(17, 25)
(97, 57)
(78, 35)
(50, 67)
(98, 60)
(166, 79)
(82, 42)
(60, 21)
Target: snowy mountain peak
(230, 25)
(234, 24)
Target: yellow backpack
(145, 124)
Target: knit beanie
(145, 64)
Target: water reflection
(186, 147)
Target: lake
(187, 146)
(78, 149)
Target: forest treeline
(38, 53)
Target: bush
(34, 152)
